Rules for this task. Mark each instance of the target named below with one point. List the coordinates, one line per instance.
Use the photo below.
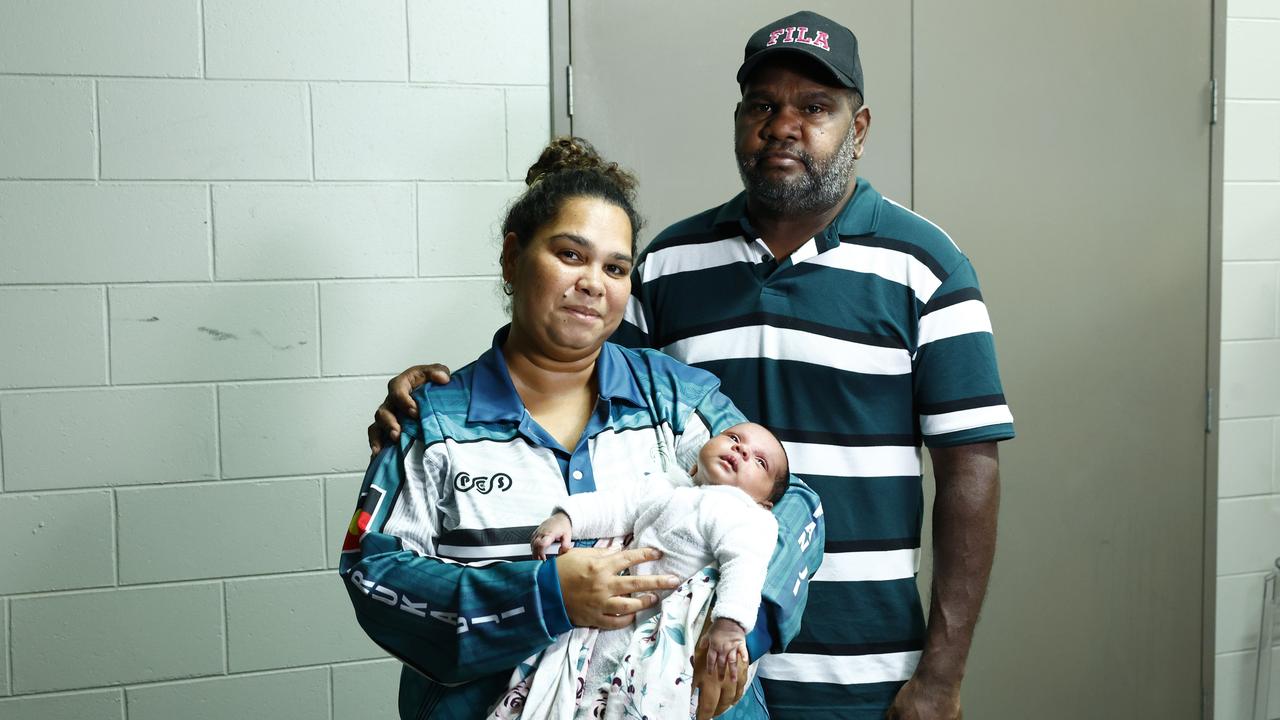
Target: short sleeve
(958, 395)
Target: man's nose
(784, 124)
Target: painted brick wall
(223, 223)
(1249, 451)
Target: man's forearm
(964, 541)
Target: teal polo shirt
(867, 343)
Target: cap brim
(750, 64)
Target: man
(855, 331)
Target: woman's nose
(591, 280)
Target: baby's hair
(570, 167)
(782, 477)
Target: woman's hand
(717, 692)
(555, 529)
(385, 426)
(595, 595)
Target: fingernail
(672, 580)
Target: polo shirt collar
(494, 397)
(859, 216)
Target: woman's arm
(453, 622)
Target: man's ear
(861, 126)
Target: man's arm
(964, 543)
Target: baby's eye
(762, 463)
(732, 436)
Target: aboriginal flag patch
(370, 501)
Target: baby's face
(746, 456)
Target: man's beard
(819, 188)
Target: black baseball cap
(821, 38)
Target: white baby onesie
(693, 526)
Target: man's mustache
(772, 148)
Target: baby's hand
(555, 529)
(726, 647)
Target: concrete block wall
(1249, 449)
(223, 224)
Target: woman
(436, 560)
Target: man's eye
(615, 270)
(763, 107)
(814, 109)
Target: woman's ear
(510, 251)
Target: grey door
(1065, 146)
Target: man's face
(795, 137)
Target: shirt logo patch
(370, 501)
(483, 485)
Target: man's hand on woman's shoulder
(399, 401)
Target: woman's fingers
(627, 584)
(620, 561)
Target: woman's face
(572, 280)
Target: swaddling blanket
(653, 679)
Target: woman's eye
(616, 270)
(569, 254)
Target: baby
(723, 516)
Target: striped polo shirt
(867, 342)
(436, 560)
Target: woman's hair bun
(573, 153)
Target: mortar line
(213, 239)
(417, 230)
(204, 53)
(226, 633)
(506, 129)
(311, 125)
(217, 433)
(106, 329)
(97, 134)
(408, 43)
(437, 84)
(319, 331)
(8, 621)
(115, 538)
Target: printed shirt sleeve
(450, 621)
(958, 396)
(797, 551)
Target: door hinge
(568, 84)
(1208, 411)
(1213, 101)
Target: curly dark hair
(570, 167)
